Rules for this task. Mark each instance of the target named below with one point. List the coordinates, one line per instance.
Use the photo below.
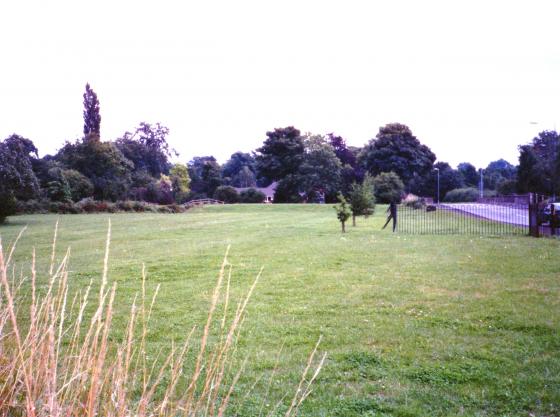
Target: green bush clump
(227, 194)
(462, 195)
(89, 205)
(251, 195)
(7, 206)
(414, 202)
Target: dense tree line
(306, 168)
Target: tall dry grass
(59, 357)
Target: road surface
(517, 215)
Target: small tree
(343, 212)
(362, 199)
(180, 182)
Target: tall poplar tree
(92, 118)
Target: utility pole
(437, 169)
(481, 184)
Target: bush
(462, 195)
(7, 206)
(89, 205)
(32, 206)
(251, 195)
(126, 205)
(226, 194)
(415, 202)
(388, 188)
(159, 192)
(79, 185)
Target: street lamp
(437, 169)
(481, 184)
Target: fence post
(552, 220)
(533, 215)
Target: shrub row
(89, 205)
(230, 195)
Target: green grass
(413, 325)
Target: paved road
(506, 214)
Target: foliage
(388, 188)
(414, 202)
(281, 153)
(160, 191)
(58, 188)
(251, 195)
(7, 205)
(538, 164)
(92, 117)
(287, 190)
(343, 211)
(396, 149)
(89, 205)
(147, 148)
(461, 195)
(240, 170)
(427, 185)
(17, 179)
(320, 171)
(205, 175)
(342, 151)
(499, 175)
(351, 171)
(507, 187)
(180, 182)
(469, 174)
(80, 186)
(227, 194)
(102, 163)
(362, 198)
(67, 184)
(16, 168)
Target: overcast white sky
(468, 77)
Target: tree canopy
(538, 164)
(147, 148)
(240, 170)
(320, 171)
(281, 154)
(396, 149)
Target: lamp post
(437, 170)
(481, 184)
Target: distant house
(267, 191)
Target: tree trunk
(353, 220)
(343, 228)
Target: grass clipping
(55, 361)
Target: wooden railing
(202, 202)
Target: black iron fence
(464, 218)
(531, 214)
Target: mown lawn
(413, 325)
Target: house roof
(267, 191)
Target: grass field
(413, 325)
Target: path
(517, 215)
